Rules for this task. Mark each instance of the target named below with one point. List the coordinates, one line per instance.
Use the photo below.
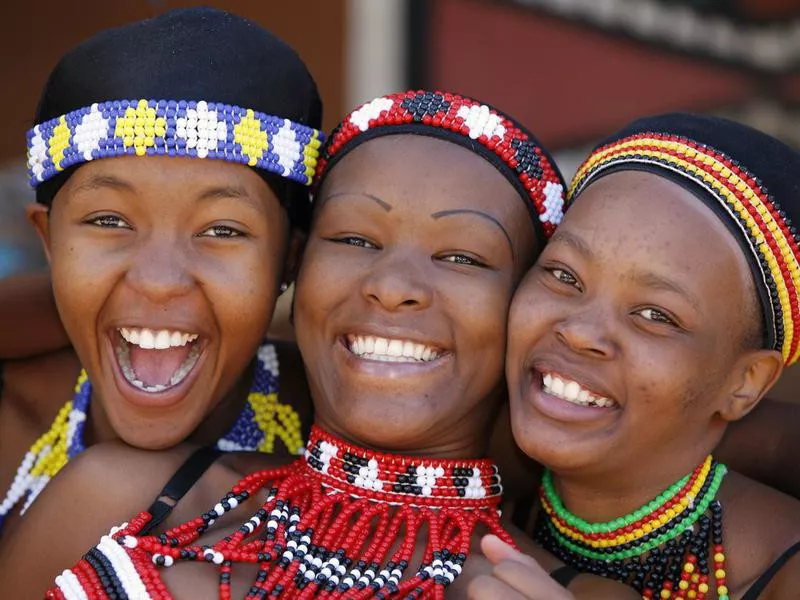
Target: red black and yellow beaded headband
(515, 152)
(758, 217)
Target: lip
(388, 370)
(164, 399)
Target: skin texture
(430, 255)
(197, 246)
(396, 273)
(625, 301)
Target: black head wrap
(749, 179)
(193, 55)
(508, 146)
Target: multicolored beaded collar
(747, 204)
(352, 539)
(515, 152)
(173, 128)
(662, 549)
(262, 420)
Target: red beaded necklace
(342, 521)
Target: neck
(459, 447)
(598, 499)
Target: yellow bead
(665, 594)
(691, 594)
(688, 567)
(702, 588)
(719, 573)
(722, 590)
(719, 557)
(684, 585)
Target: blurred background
(570, 70)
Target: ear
(756, 372)
(38, 215)
(294, 254)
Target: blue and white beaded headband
(173, 128)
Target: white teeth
(395, 348)
(161, 340)
(146, 339)
(571, 391)
(387, 350)
(158, 340)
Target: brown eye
(564, 276)
(462, 259)
(109, 222)
(221, 231)
(354, 240)
(655, 315)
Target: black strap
(762, 582)
(564, 575)
(181, 482)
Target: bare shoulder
(103, 487)
(760, 523)
(41, 397)
(786, 581)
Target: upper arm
(765, 444)
(29, 320)
(105, 486)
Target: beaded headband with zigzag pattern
(173, 128)
(481, 129)
(747, 204)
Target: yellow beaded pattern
(768, 235)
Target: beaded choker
(662, 549)
(262, 420)
(342, 522)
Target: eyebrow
(230, 191)
(659, 282)
(574, 241)
(382, 203)
(477, 213)
(96, 182)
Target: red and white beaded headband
(515, 152)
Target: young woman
(430, 209)
(170, 162)
(663, 309)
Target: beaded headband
(515, 152)
(173, 128)
(744, 202)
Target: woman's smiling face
(403, 294)
(629, 338)
(165, 272)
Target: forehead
(633, 219)
(177, 177)
(417, 171)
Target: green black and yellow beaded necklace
(665, 549)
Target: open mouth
(573, 392)
(369, 347)
(156, 360)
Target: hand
(515, 576)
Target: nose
(588, 332)
(398, 281)
(159, 270)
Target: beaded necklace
(262, 420)
(662, 549)
(326, 529)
